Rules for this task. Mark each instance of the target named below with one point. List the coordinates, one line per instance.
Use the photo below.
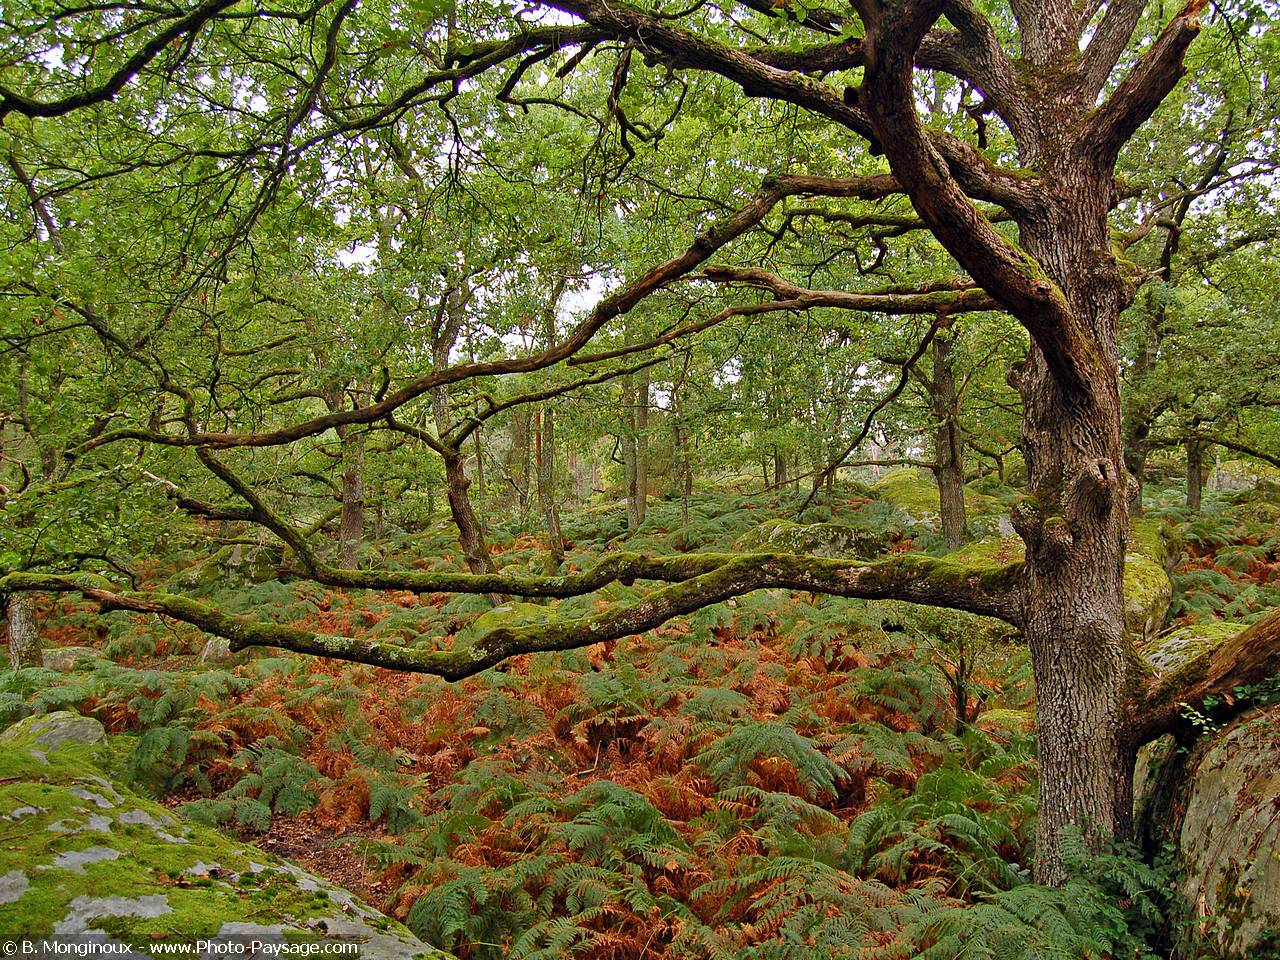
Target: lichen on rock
(833, 540)
(90, 856)
(1217, 805)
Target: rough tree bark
(24, 631)
(948, 445)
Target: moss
(1179, 648)
(909, 489)
(73, 807)
(1228, 837)
(817, 539)
(1147, 594)
(990, 553)
(915, 492)
(1148, 538)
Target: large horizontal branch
(13, 102)
(951, 297)
(1209, 684)
(909, 577)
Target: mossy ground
(57, 804)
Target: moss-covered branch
(704, 579)
(1208, 683)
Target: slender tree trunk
(24, 631)
(1195, 474)
(546, 452)
(635, 403)
(1135, 461)
(642, 440)
(518, 461)
(457, 484)
(351, 525)
(470, 533)
(680, 443)
(948, 445)
(480, 481)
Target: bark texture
(948, 445)
(24, 631)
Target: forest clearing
(607, 480)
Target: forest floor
(780, 775)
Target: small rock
(95, 798)
(82, 910)
(217, 650)
(19, 812)
(13, 885)
(77, 860)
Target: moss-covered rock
(1148, 592)
(84, 854)
(514, 613)
(835, 540)
(1177, 648)
(238, 562)
(915, 493)
(1218, 806)
(66, 659)
(1232, 475)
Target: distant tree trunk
(457, 483)
(635, 403)
(948, 445)
(545, 441)
(518, 460)
(470, 533)
(351, 525)
(1195, 474)
(779, 468)
(680, 443)
(480, 481)
(642, 441)
(1135, 461)
(24, 631)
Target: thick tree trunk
(24, 631)
(1074, 524)
(351, 525)
(546, 455)
(1195, 475)
(948, 445)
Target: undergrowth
(780, 776)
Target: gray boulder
(66, 659)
